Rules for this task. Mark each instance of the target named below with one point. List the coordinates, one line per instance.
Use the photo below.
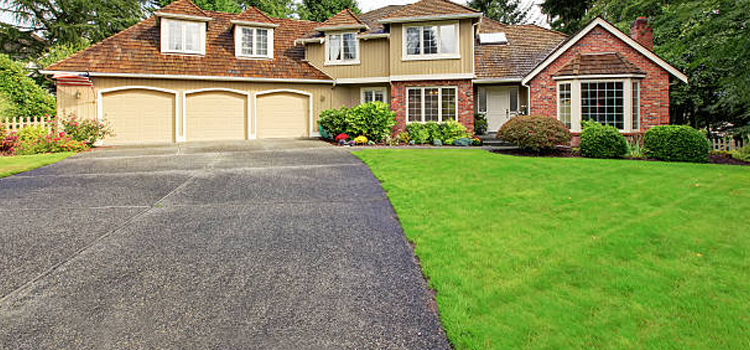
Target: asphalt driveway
(267, 245)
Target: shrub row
(373, 120)
(75, 136)
(431, 132)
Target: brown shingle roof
(252, 14)
(598, 64)
(527, 46)
(371, 18)
(430, 8)
(345, 17)
(136, 50)
(184, 7)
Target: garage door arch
(309, 96)
(186, 130)
(173, 109)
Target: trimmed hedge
(679, 143)
(429, 132)
(602, 141)
(537, 134)
(373, 120)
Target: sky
(535, 15)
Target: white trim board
(190, 77)
(197, 91)
(268, 92)
(617, 33)
(430, 18)
(100, 104)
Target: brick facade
(464, 89)
(654, 88)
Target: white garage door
(216, 115)
(283, 115)
(139, 116)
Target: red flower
(342, 137)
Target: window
(513, 99)
(183, 36)
(431, 104)
(373, 94)
(343, 49)
(564, 98)
(603, 102)
(254, 42)
(636, 106)
(482, 104)
(431, 41)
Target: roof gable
(598, 64)
(600, 22)
(183, 7)
(345, 18)
(431, 8)
(252, 14)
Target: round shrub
(679, 143)
(373, 120)
(602, 141)
(537, 134)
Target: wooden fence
(18, 123)
(726, 144)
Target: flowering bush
(85, 130)
(373, 120)
(360, 140)
(340, 137)
(476, 141)
(8, 143)
(37, 139)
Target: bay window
(253, 42)
(342, 48)
(431, 104)
(427, 42)
(186, 37)
(607, 102)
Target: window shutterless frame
(178, 35)
(630, 101)
(256, 38)
(421, 94)
(374, 91)
(336, 40)
(425, 51)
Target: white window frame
(576, 114)
(342, 61)
(435, 56)
(372, 89)
(238, 42)
(559, 105)
(636, 98)
(440, 102)
(165, 35)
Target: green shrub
(679, 143)
(635, 147)
(85, 130)
(453, 130)
(742, 154)
(334, 121)
(418, 132)
(436, 133)
(602, 141)
(25, 97)
(373, 120)
(480, 124)
(537, 134)
(403, 138)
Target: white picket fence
(18, 123)
(726, 144)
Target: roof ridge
(177, 2)
(255, 10)
(343, 13)
(419, 4)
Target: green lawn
(544, 253)
(18, 164)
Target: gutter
(191, 77)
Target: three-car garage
(144, 114)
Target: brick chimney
(642, 32)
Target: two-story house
(186, 74)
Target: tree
(69, 21)
(273, 8)
(229, 6)
(321, 10)
(505, 11)
(53, 54)
(566, 15)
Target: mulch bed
(568, 153)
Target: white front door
(499, 106)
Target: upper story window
(342, 48)
(188, 37)
(253, 42)
(431, 42)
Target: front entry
(502, 104)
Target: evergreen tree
(505, 11)
(321, 10)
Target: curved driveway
(253, 245)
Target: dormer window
(430, 42)
(253, 42)
(180, 36)
(342, 48)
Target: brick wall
(465, 91)
(654, 87)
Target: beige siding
(283, 115)
(76, 101)
(373, 60)
(216, 115)
(139, 116)
(441, 66)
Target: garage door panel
(139, 116)
(216, 115)
(283, 115)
